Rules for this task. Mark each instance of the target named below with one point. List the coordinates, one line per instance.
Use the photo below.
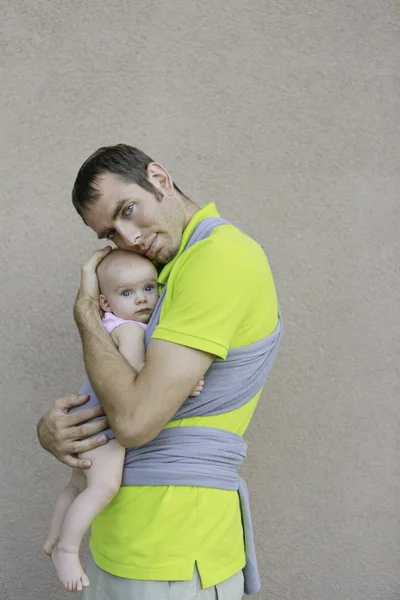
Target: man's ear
(160, 178)
(104, 303)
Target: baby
(128, 296)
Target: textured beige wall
(287, 114)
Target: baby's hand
(198, 388)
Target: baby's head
(128, 285)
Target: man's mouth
(152, 248)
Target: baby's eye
(149, 288)
(126, 293)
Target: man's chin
(165, 255)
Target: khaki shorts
(104, 586)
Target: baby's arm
(129, 339)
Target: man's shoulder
(230, 233)
(226, 238)
(227, 247)
(228, 254)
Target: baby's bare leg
(103, 482)
(76, 484)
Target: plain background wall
(287, 115)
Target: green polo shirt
(220, 295)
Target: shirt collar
(208, 210)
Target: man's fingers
(86, 414)
(73, 462)
(96, 258)
(87, 429)
(69, 401)
(89, 289)
(88, 444)
(84, 463)
(78, 400)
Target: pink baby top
(110, 322)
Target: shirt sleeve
(210, 296)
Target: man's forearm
(112, 378)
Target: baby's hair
(117, 256)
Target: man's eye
(127, 211)
(110, 235)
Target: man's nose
(130, 236)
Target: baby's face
(128, 285)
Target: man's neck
(191, 208)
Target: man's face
(135, 220)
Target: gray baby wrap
(205, 456)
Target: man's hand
(87, 299)
(64, 434)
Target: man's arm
(63, 434)
(138, 406)
(173, 367)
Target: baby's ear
(103, 303)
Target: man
(156, 540)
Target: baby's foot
(69, 569)
(49, 545)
